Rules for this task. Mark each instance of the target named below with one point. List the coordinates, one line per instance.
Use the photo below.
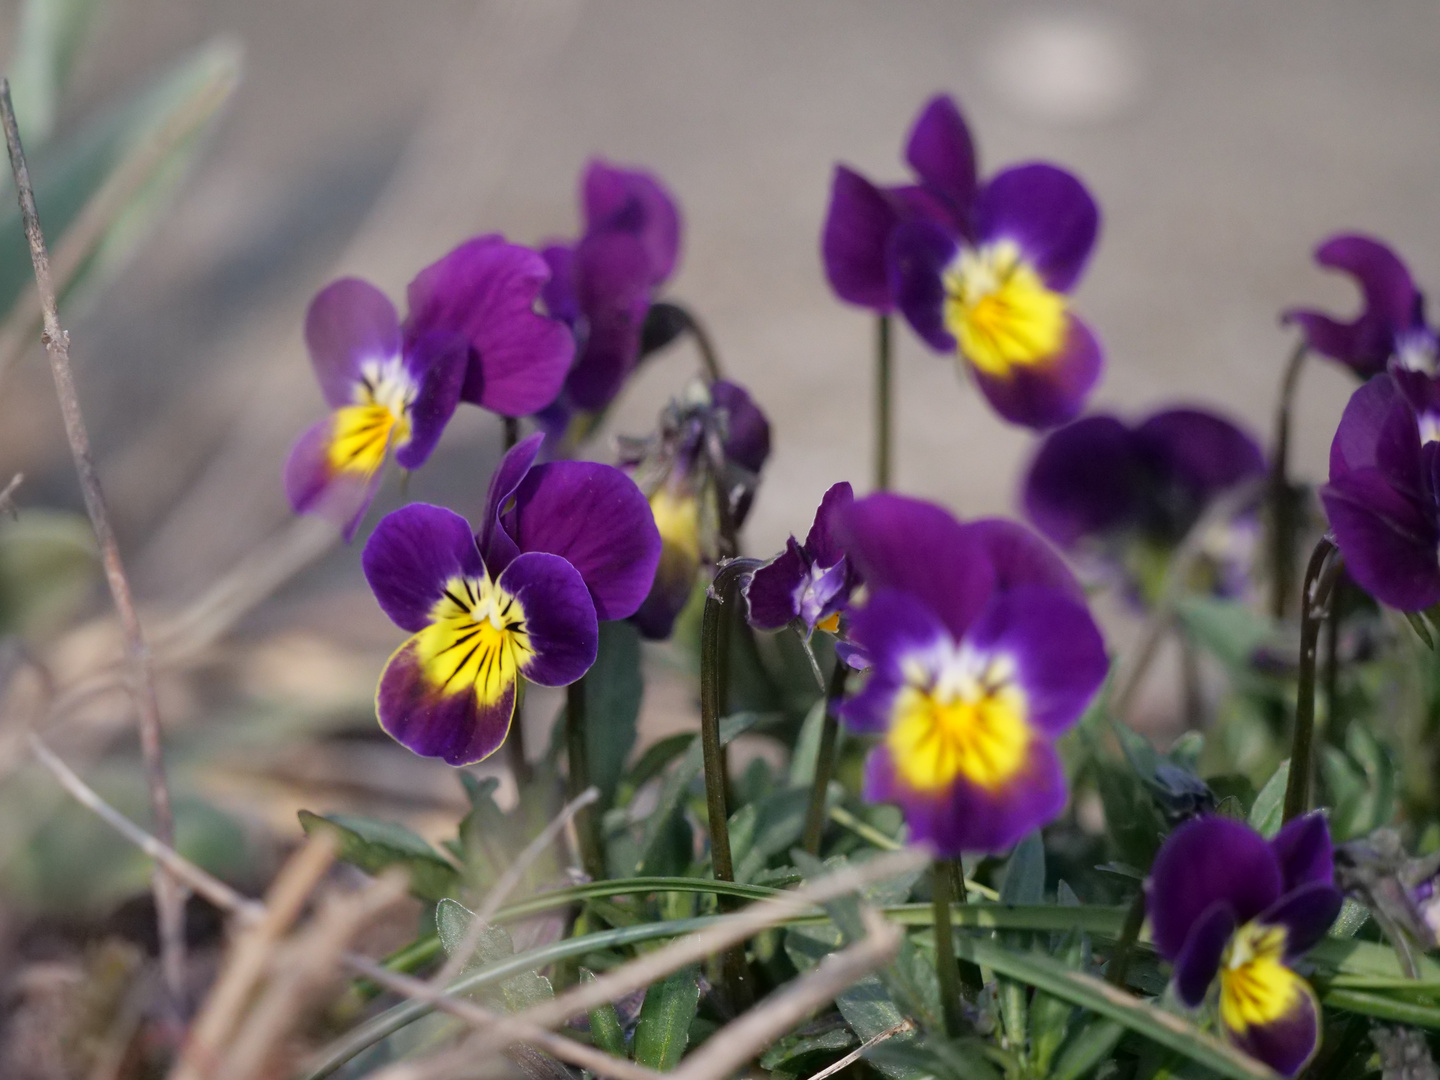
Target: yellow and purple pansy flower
(1228, 906)
(811, 582)
(472, 335)
(562, 546)
(982, 652)
(980, 270)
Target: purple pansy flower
(561, 546)
(1225, 902)
(1391, 309)
(982, 652)
(1124, 497)
(705, 457)
(811, 582)
(603, 284)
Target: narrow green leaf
(1088, 1048)
(657, 755)
(613, 692)
(1025, 873)
(1416, 620)
(605, 1030)
(807, 746)
(375, 846)
(494, 945)
(47, 567)
(791, 1048)
(49, 38)
(1049, 1015)
(1268, 811)
(664, 1027)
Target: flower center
(967, 721)
(1256, 988)
(379, 419)
(1000, 310)
(677, 519)
(476, 638)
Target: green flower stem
(714, 677)
(1325, 566)
(709, 359)
(946, 966)
(515, 739)
(824, 761)
(1283, 524)
(587, 823)
(883, 382)
(1119, 966)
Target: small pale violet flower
(561, 547)
(1227, 905)
(706, 456)
(811, 581)
(982, 652)
(603, 284)
(1391, 308)
(1123, 497)
(472, 335)
(1383, 498)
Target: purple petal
(1378, 429)
(821, 543)
(559, 295)
(747, 432)
(1057, 650)
(1085, 481)
(559, 617)
(635, 202)
(1199, 959)
(594, 517)
(1019, 557)
(941, 152)
(1389, 544)
(969, 818)
(487, 291)
(437, 362)
(349, 321)
(918, 254)
(613, 282)
(1048, 213)
(1306, 913)
(891, 628)
(1202, 453)
(917, 547)
(454, 726)
(857, 229)
(1204, 862)
(772, 592)
(1287, 1043)
(411, 556)
(314, 486)
(1305, 852)
(1050, 391)
(497, 546)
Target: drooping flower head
(1392, 306)
(561, 546)
(982, 652)
(699, 470)
(980, 270)
(811, 581)
(603, 284)
(1226, 904)
(1123, 498)
(472, 334)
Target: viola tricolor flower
(562, 546)
(705, 458)
(1383, 498)
(602, 285)
(982, 652)
(811, 582)
(1123, 497)
(980, 270)
(472, 335)
(1227, 904)
(1392, 306)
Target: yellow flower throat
(1256, 987)
(1000, 310)
(476, 638)
(364, 432)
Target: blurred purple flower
(811, 582)
(1224, 902)
(982, 653)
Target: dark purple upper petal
(411, 555)
(349, 321)
(941, 152)
(1307, 913)
(1305, 852)
(747, 432)
(1048, 213)
(559, 294)
(821, 544)
(497, 546)
(772, 592)
(1389, 542)
(633, 201)
(1366, 342)
(1050, 391)
(857, 228)
(560, 618)
(1086, 480)
(487, 291)
(916, 547)
(918, 255)
(595, 517)
(1378, 429)
(1019, 557)
(437, 362)
(1199, 960)
(1201, 453)
(613, 281)
(1204, 862)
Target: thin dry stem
(859, 1052)
(169, 898)
(10, 488)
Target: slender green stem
(1283, 524)
(883, 353)
(709, 359)
(1119, 966)
(714, 675)
(971, 977)
(512, 432)
(587, 823)
(1325, 565)
(1334, 723)
(824, 761)
(946, 966)
(515, 740)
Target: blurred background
(1223, 141)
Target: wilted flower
(1125, 497)
(699, 471)
(1403, 893)
(561, 546)
(811, 582)
(1226, 903)
(1392, 306)
(982, 652)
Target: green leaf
(1131, 819)
(515, 994)
(658, 755)
(613, 690)
(1268, 812)
(605, 1030)
(1361, 784)
(1049, 1015)
(1230, 630)
(1091, 1044)
(795, 1046)
(664, 1027)
(1418, 623)
(49, 38)
(47, 566)
(375, 846)
(958, 1059)
(807, 746)
(770, 827)
(1025, 873)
